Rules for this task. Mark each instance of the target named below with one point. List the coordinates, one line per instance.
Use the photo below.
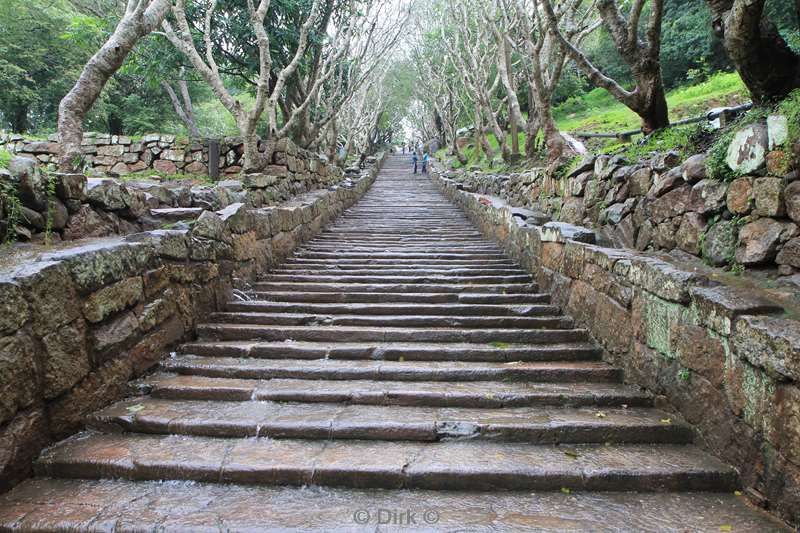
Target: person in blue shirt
(425, 159)
(414, 159)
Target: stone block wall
(727, 361)
(77, 324)
(79, 207)
(119, 154)
(663, 204)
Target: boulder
(31, 185)
(694, 168)
(768, 195)
(719, 244)
(108, 194)
(666, 160)
(748, 149)
(167, 167)
(71, 186)
(707, 196)
(792, 199)
(665, 182)
(790, 254)
(740, 196)
(640, 181)
(759, 240)
(674, 203)
(777, 130)
(688, 238)
(617, 212)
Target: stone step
(409, 351)
(550, 425)
(399, 255)
(339, 369)
(176, 214)
(393, 321)
(449, 465)
(233, 332)
(402, 297)
(400, 288)
(420, 310)
(489, 394)
(119, 505)
(378, 279)
(400, 263)
(386, 270)
(358, 246)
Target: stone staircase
(398, 350)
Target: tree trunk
(140, 18)
(184, 109)
(20, 119)
(653, 108)
(768, 67)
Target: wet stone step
(232, 332)
(411, 287)
(338, 369)
(437, 280)
(40, 505)
(419, 310)
(408, 393)
(388, 270)
(302, 319)
(548, 425)
(447, 465)
(402, 297)
(411, 351)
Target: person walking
(414, 159)
(425, 159)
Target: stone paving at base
(398, 373)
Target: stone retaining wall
(120, 154)
(77, 324)
(73, 206)
(726, 360)
(663, 204)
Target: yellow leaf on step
(600, 414)
(565, 490)
(666, 421)
(726, 527)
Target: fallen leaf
(571, 453)
(565, 490)
(666, 421)
(135, 408)
(726, 527)
(600, 414)
(401, 359)
(737, 493)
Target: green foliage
(50, 195)
(684, 374)
(790, 107)
(5, 158)
(10, 199)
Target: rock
(694, 168)
(672, 204)
(769, 342)
(31, 186)
(31, 218)
(664, 234)
(585, 164)
(19, 385)
(665, 182)
(739, 198)
(108, 194)
(209, 225)
(176, 156)
(59, 215)
(87, 222)
(66, 359)
(113, 298)
(259, 181)
(759, 240)
(236, 218)
(748, 149)
(71, 186)
(167, 167)
(617, 212)
(196, 168)
(688, 238)
(640, 181)
(120, 169)
(768, 195)
(792, 199)
(666, 161)
(707, 196)
(719, 245)
(779, 163)
(572, 211)
(562, 232)
(663, 279)
(777, 130)
(13, 307)
(790, 254)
